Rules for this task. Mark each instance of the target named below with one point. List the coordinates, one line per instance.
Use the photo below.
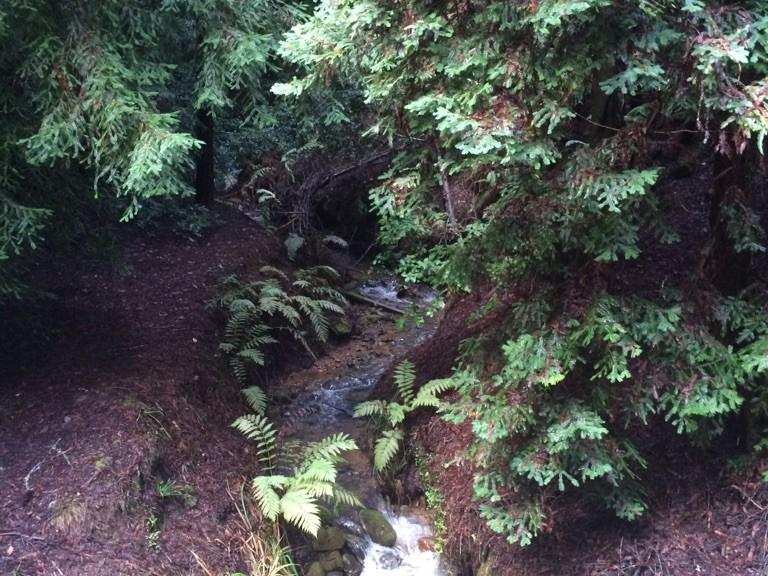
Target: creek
(326, 407)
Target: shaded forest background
(583, 183)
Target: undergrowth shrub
(298, 479)
(301, 306)
(389, 416)
(537, 151)
(561, 411)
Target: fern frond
(324, 271)
(319, 470)
(344, 496)
(370, 408)
(331, 447)
(386, 448)
(299, 508)
(329, 306)
(427, 395)
(395, 413)
(404, 377)
(256, 398)
(239, 369)
(264, 490)
(316, 488)
(329, 293)
(272, 271)
(272, 305)
(253, 356)
(260, 340)
(259, 429)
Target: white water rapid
(411, 556)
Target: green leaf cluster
(390, 416)
(294, 492)
(258, 313)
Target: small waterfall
(411, 556)
(328, 406)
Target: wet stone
(352, 566)
(378, 527)
(332, 561)
(315, 569)
(358, 546)
(329, 539)
(390, 561)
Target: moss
(433, 497)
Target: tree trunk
(205, 165)
(726, 268)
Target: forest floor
(117, 455)
(127, 399)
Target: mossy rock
(378, 527)
(332, 561)
(329, 539)
(341, 328)
(315, 569)
(352, 566)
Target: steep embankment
(707, 517)
(126, 404)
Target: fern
(256, 399)
(299, 507)
(370, 408)
(265, 491)
(390, 415)
(386, 447)
(294, 494)
(258, 311)
(428, 395)
(259, 429)
(404, 377)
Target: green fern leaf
(404, 377)
(330, 448)
(316, 489)
(254, 356)
(264, 490)
(300, 509)
(395, 413)
(272, 271)
(386, 448)
(370, 408)
(319, 470)
(344, 496)
(427, 395)
(259, 429)
(256, 398)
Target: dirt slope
(127, 396)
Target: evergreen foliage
(533, 148)
(105, 97)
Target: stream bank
(383, 539)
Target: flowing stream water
(328, 408)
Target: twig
(20, 535)
(372, 302)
